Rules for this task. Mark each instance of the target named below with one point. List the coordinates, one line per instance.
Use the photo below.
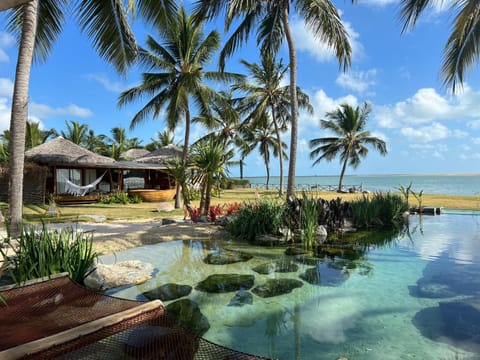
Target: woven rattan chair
(55, 318)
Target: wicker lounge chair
(57, 318)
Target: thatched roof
(60, 151)
(133, 154)
(162, 155)
(7, 4)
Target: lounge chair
(57, 318)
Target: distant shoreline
(366, 175)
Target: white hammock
(77, 190)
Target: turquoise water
(430, 184)
(387, 307)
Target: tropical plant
(46, 252)
(349, 124)
(75, 132)
(309, 212)
(378, 210)
(262, 133)
(96, 143)
(35, 136)
(406, 191)
(265, 94)
(176, 76)
(163, 138)
(270, 20)
(461, 50)
(210, 160)
(37, 25)
(257, 218)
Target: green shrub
(118, 197)
(46, 252)
(378, 210)
(257, 218)
(309, 212)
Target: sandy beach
(110, 237)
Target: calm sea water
(430, 184)
(412, 297)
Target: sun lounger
(57, 318)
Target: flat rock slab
(187, 313)
(324, 275)
(225, 257)
(242, 297)
(276, 287)
(221, 283)
(277, 266)
(120, 274)
(168, 292)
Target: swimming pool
(414, 297)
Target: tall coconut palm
(177, 76)
(265, 93)
(462, 49)
(35, 136)
(270, 20)
(96, 143)
(262, 133)
(349, 124)
(37, 25)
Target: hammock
(77, 190)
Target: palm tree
(272, 20)
(461, 50)
(210, 159)
(35, 136)
(163, 138)
(179, 77)
(76, 133)
(349, 124)
(261, 133)
(266, 94)
(96, 143)
(37, 25)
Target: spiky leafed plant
(176, 76)
(270, 21)
(349, 124)
(37, 25)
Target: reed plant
(309, 212)
(261, 217)
(38, 253)
(378, 210)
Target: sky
(427, 128)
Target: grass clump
(257, 218)
(44, 252)
(378, 210)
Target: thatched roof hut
(162, 155)
(60, 151)
(133, 154)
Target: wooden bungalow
(76, 174)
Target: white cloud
(6, 87)
(322, 103)
(306, 41)
(5, 112)
(358, 81)
(426, 105)
(46, 111)
(109, 85)
(6, 40)
(429, 133)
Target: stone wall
(34, 184)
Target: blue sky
(428, 130)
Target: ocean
(430, 184)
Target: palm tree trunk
(19, 116)
(208, 196)
(293, 106)
(344, 167)
(280, 153)
(178, 196)
(268, 172)
(241, 168)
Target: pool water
(410, 298)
